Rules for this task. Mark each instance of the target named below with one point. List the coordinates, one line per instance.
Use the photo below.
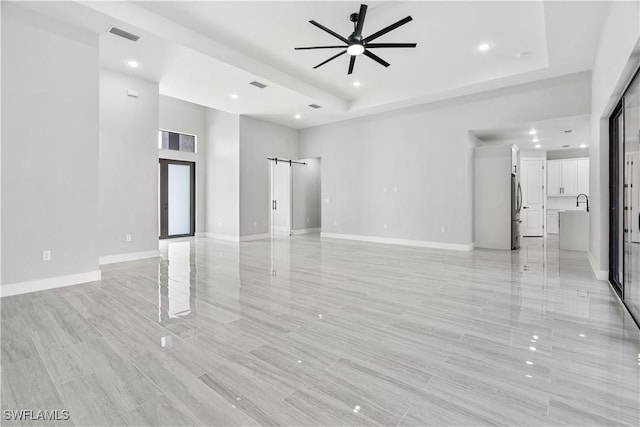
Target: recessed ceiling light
(356, 84)
(234, 95)
(538, 145)
(297, 116)
(533, 132)
(583, 145)
(484, 47)
(535, 139)
(133, 64)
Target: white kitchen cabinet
(570, 177)
(554, 177)
(553, 222)
(583, 176)
(567, 177)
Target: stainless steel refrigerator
(516, 206)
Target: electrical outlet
(395, 189)
(335, 222)
(384, 189)
(255, 224)
(46, 255)
(308, 220)
(220, 224)
(443, 230)
(385, 226)
(127, 237)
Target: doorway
(532, 180)
(177, 208)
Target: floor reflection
(177, 280)
(309, 331)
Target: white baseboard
(201, 234)
(49, 283)
(221, 237)
(255, 237)
(305, 231)
(405, 242)
(600, 274)
(131, 256)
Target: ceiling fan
(355, 44)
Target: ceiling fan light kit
(356, 45)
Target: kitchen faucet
(578, 200)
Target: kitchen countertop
(574, 229)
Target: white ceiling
(551, 134)
(204, 51)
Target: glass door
(631, 197)
(624, 198)
(616, 235)
(177, 198)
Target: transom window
(168, 140)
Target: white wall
(570, 153)
(128, 166)
(222, 174)
(184, 117)
(616, 60)
(425, 153)
(533, 154)
(492, 182)
(50, 149)
(307, 195)
(259, 140)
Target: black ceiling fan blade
(330, 59)
(333, 33)
(376, 58)
(360, 23)
(377, 45)
(352, 62)
(319, 47)
(387, 29)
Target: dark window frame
(195, 141)
(164, 202)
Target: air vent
(258, 84)
(568, 131)
(125, 34)
(566, 146)
(315, 106)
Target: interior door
(281, 198)
(532, 180)
(177, 198)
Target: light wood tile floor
(327, 332)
